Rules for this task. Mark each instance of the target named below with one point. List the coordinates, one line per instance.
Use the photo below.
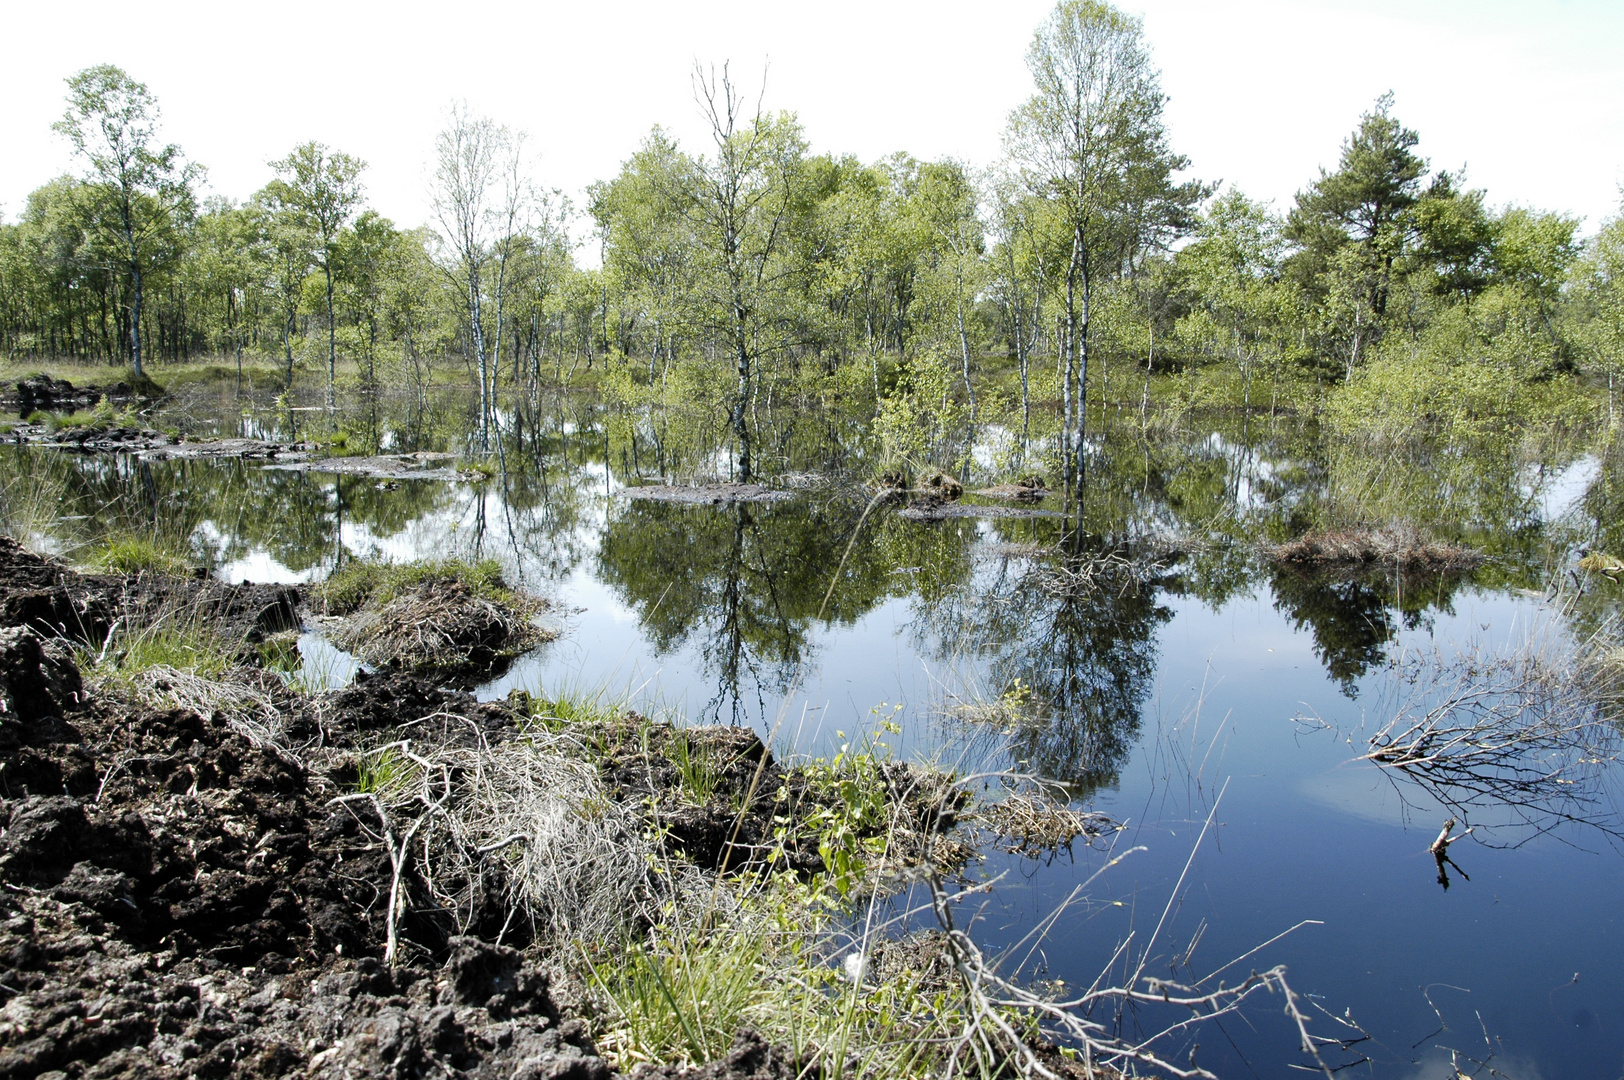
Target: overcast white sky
(1529, 95)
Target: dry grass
(438, 623)
(1400, 545)
(1034, 824)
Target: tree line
(1063, 276)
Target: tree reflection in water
(1078, 629)
(1354, 615)
(743, 583)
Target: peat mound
(719, 798)
(707, 494)
(1028, 489)
(181, 902)
(441, 625)
(422, 465)
(1400, 546)
(931, 508)
(156, 445)
(182, 897)
(43, 393)
(58, 602)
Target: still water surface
(1185, 689)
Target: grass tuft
(362, 582)
(137, 554)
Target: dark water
(1163, 671)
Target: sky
(1527, 95)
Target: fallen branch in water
(1525, 734)
(994, 1003)
(1440, 852)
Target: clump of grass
(1399, 545)
(182, 665)
(280, 653)
(700, 776)
(103, 417)
(387, 773)
(137, 554)
(188, 648)
(680, 1001)
(362, 581)
(572, 708)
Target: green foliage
(920, 414)
(681, 1001)
(575, 707)
(853, 797)
(751, 271)
(700, 775)
(173, 643)
(1487, 369)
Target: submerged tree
(142, 191)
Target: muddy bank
(56, 601)
(181, 902)
(379, 881)
(721, 798)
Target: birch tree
(1092, 139)
(466, 187)
(742, 209)
(321, 188)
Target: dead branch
(994, 1000)
(1523, 733)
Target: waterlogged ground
(1165, 671)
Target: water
(1213, 705)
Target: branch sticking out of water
(1527, 736)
